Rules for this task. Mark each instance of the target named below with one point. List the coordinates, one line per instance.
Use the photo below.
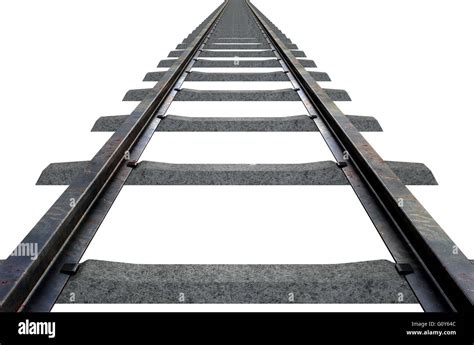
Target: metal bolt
(70, 268)
(132, 164)
(404, 268)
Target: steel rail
(64, 232)
(417, 279)
(440, 275)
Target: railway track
(428, 267)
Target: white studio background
(64, 64)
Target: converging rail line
(429, 268)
